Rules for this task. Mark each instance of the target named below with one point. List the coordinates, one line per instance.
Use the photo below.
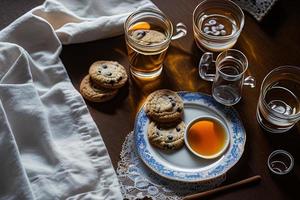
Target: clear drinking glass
(227, 74)
(278, 108)
(148, 33)
(280, 162)
(217, 24)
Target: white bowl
(206, 118)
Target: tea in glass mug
(148, 33)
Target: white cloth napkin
(50, 148)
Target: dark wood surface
(273, 42)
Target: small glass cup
(278, 108)
(227, 76)
(280, 162)
(217, 24)
(148, 33)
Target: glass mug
(278, 108)
(148, 33)
(217, 24)
(227, 74)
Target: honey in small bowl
(207, 137)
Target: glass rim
(263, 93)
(220, 37)
(236, 51)
(150, 10)
(283, 152)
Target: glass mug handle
(250, 81)
(207, 68)
(181, 31)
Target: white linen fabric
(50, 148)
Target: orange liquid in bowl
(207, 137)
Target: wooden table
(273, 42)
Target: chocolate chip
(157, 133)
(179, 109)
(173, 103)
(104, 66)
(170, 137)
(140, 34)
(112, 81)
(120, 78)
(99, 71)
(178, 128)
(108, 74)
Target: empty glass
(278, 107)
(280, 162)
(227, 74)
(217, 24)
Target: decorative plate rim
(232, 156)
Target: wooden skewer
(252, 179)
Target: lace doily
(138, 181)
(257, 8)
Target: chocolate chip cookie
(108, 74)
(166, 137)
(164, 106)
(92, 92)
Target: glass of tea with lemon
(148, 33)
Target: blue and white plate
(182, 165)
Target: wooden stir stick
(252, 179)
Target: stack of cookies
(103, 81)
(166, 128)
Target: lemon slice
(139, 26)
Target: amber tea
(207, 137)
